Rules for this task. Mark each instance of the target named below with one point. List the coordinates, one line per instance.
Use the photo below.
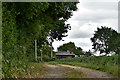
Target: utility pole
(35, 50)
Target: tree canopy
(23, 22)
(104, 39)
(114, 43)
(71, 47)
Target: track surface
(60, 71)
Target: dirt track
(60, 71)
(55, 71)
(89, 73)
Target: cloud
(90, 15)
(80, 34)
(84, 31)
(94, 13)
(83, 42)
(101, 5)
(99, 0)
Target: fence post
(35, 50)
(51, 50)
(40, 55)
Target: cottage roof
(65, 53)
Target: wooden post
(24, 49)
(40, 55)
(35, 50)
(51, 50)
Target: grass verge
(35, 70)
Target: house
(65, 54)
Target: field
(107, 64)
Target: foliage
(102, 39)
(78, 51)
(22, 23)
(34, 71)
(11, 50)
(60, 12)
(0, 25)
(114, 43)
(88, 53)
(70, 47)
(67, 46)
(103, 63)
(46, 51)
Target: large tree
(102, 38)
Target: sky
(90, 15)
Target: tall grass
(35, 70)
(103, 63)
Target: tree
(78, 51)
(71, 47)
(62, 12)
(22, 23)
(46, 50)
(101, 39)
(88, 53)
(114, 43)
(67, 46)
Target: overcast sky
(90, 15)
